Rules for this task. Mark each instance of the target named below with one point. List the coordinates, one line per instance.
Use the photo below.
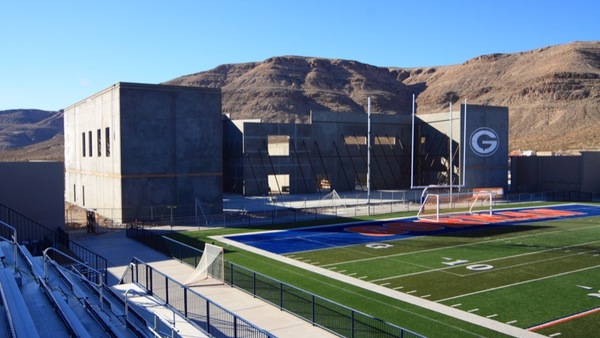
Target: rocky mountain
(23, 128)
(553, 94)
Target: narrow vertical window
(99, 134)
(90, 142)
(74, 192)
(107, 140)
(83, 143)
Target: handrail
(134, 265)
(15, 242)
(154, 329)
(47, 258)
(99, 281)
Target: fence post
(313, 309)
(185, 302)
(167, 290)
(281, 296)
(207, 316)
(352, 324)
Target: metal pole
(412, 145)
(464, 169)
(369, 155)
(450, 155)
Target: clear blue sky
(56, 53)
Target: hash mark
(456, 305)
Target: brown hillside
(553, 93)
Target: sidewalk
(119, 250)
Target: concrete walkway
(119, 250)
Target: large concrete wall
(92, 178)
(556, 173)
(486, 148)
(35, 190)
(329, 153)
(165, 150)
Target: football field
(535, 268)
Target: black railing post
(208, 317)
(352, 324)
(185, 302)
(149, 279)
(281, 296)
(313, 309)
(167, 290)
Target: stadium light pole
(369, 156)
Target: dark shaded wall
(486, 148)
(556, 173)
(35, 190)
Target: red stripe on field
(565, 319)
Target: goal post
(436, 206)
(211, 265)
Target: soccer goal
(211, 265)
(436, 206)
(334, 201)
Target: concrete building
(33, 190)
(139, 151)
(574, 174)
(331, 151)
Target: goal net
(211, 265)
(437, 206)
(333, 200)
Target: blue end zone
(331, 236)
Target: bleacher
(56, 295)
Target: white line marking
(398, 287)
(426, 296)
(492, 316)
(555, 334)
(473, 310)
(519, 283)
(456, 305)
(411, 292)
(511, 322)
(585, 287)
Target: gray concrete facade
(575, 173)
(331, 152)
(139, 151)
(35, 190)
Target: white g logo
(484, 142)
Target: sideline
(429, 305)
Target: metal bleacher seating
(42, 298)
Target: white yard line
(457, 246)
(493, 260)
(519, 283)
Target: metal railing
(318, 311)
(37, 237)
(214, 319)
